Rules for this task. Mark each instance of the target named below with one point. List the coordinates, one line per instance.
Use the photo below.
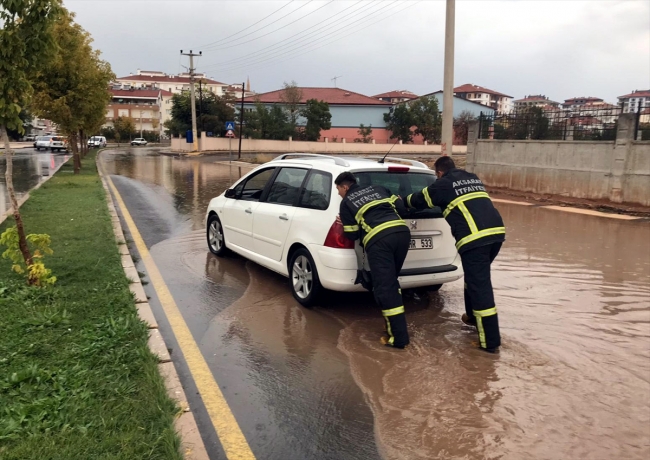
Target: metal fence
(597, 123)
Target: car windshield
(398, 183)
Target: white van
(97, 141)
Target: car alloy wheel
(305, 284)
(302, 277)
(216, 241)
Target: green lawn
(77, 380)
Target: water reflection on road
(572, 379)
(30, 168)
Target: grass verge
(77, 380)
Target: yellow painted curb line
(230, 435)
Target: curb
(25, 197)
(185, 424)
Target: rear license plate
(421, 243)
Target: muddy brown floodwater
(572, 380)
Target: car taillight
(336, 239)
(398, 169)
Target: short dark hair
(345, 178)
(444, 164)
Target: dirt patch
(585, 203)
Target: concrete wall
(223, 144)
(618, 171)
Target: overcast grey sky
(560, 48)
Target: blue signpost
(230, 126)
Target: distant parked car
(42, 142)
(58, 143)
(97, 141)
(29, 138)
(139, 141)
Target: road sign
(230, 133)
(230, 125)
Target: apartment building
(488, 97)
(635, 100)
(149, 107)
(536, 100)
(396, 96)
(175, 84)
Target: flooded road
(30, 168)
(572, 379)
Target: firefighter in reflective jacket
(372, 215)
(479, 232)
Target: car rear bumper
(337, 270)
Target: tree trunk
(75, 153)
(83, 143)
(22, 239)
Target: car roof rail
(419, 164)
(337, 160)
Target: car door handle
(249, 211)
(284, 217)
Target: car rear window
(401, 184)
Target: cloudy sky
(560, 48)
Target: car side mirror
(230, 193)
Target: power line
(276, 30)
(391, 5)
(323, 24)
(255, 66)
(254, 24)
(369, 13)
(221, 45)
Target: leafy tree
(427, 119)
(25, 43)
(366, 134)
(124, 128)
(214, 112)
(291, 96)
(72, 90)
(26, 119)
(318, 118)
(108, 132)
(267, 123)
(461, 126)
(399, 121)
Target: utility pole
(140, 123)
(201, 103)
(448, 85)
(241, 118)
(195, 140)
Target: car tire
(215, 237)
(303, 276)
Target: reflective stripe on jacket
(466, 206)
(367, 212)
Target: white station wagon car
(282, 215)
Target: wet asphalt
(572, 379)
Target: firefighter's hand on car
(338, 219)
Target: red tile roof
(396, 94)
(469, 88)
(640, 93)
(139, 93)
(166, 79)
(333, 96)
